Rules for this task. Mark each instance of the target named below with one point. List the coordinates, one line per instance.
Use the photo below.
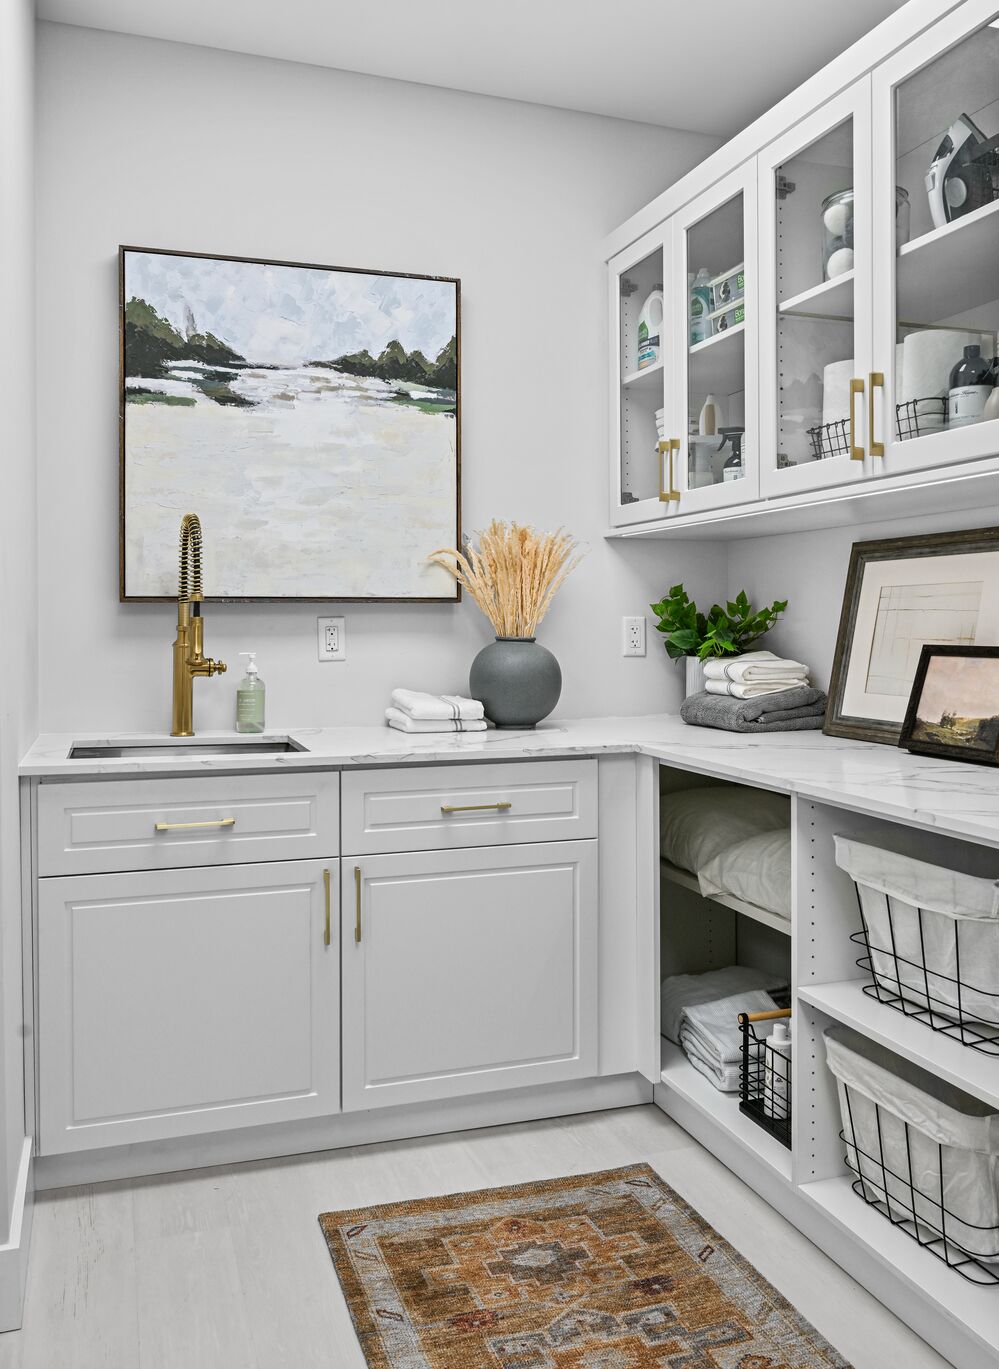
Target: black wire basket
(912, 987)
(830, 439)
(765, 1078)
(921, 1214)
(917, 417)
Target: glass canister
(837, 230)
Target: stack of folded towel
(794, 709)
(753, 673)
(415, 712)
(712, 1038)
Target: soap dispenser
(250, 698)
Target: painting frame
(454, 593)
(841, 720)
(923, 747)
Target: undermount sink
(186, 746)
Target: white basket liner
(938, 1115)
(959, 935)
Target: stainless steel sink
(182, 747)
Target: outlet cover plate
(633, 636)
(332, 639)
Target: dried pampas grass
(514, 573)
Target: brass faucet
(188, 650)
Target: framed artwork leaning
(310, 415)
(904, 593)
(953, 710)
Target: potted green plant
(697, 637)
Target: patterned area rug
(597, 1271)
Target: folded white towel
(755, 667)
(751, 691)
(724, 1077)
(715, 1026)
(680, 991)
(402, 722)
(445, 707)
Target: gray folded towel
(792, 710)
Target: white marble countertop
(881, 780)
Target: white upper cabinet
(936, 134)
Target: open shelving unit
(686, 880)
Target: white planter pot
(695, 676)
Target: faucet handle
(216, 667)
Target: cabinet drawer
(470, 805)
(156, 824)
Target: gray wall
(162, 145)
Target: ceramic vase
(695, 676)
(517, 680)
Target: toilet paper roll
(927, 360)
(836, 379)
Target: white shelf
(720, 1108)
(640, 380)
(967, 1069)
(833, 299)
(686, 880)
(950, 270)
(718, 364)
(969, 1307)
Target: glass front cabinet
(826, 314)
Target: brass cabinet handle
(189, 826)
(667, 448)
(357, 913)
(877, 382)
(475, 807)
(856, 388)
(326, 887)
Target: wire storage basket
(925, 1154)
(830, 439)
(930, 938)
(917, 417)
(765, 1076)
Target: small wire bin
(917, 417)
(924, 1154)
(830, 439)
(765, 1077)
(930, 938)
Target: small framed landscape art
(903, 594)
(953, 711)
(310, 415)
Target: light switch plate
(332, 634)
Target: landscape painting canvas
(310, 416)
(954, 709)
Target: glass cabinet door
(640, 481)
(936, 137)
(815, 294)
(714, 249)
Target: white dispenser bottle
(650, 326)
(777, 1075)
(250, 698)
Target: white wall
(18, 712)
(161, 145)
(809, 570)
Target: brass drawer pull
(856, 388)
(357, 912)
(667, 448)
(326, 887)
(877, 382)
(193, 826)
(476, 807)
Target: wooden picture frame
(975, 734)
(378, 487)
(904, 566)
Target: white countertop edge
(881, 780)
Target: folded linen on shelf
(792, 710)
(680, 991)
(402, 722)
(442, 707)
(715, 1025)
(724, 1077)
(749, 691)
(755, 667)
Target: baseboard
(345, 1129)
(14, 1254)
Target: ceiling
(711, 67)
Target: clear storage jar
(837, 230)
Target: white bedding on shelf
(757, 871)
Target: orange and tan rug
(597, 1271)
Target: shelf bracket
(628, 287)
(784, 187)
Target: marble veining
(880, 780)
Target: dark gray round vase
(517, 680)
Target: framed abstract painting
(310, 415)
(902, 594)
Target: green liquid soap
(250, 698)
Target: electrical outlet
(632, 636)
(332, 639)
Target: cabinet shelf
(832, 299)
(718, 364)
(943, 274)
(966, 1069)
(640, 380)
(686, 880)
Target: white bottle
(650, 327)
(700, 305)
(710, 419)
(250, 698)
(777, 1075)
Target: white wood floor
(227, 1269)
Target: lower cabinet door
(468, 971)
(174, 1003)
